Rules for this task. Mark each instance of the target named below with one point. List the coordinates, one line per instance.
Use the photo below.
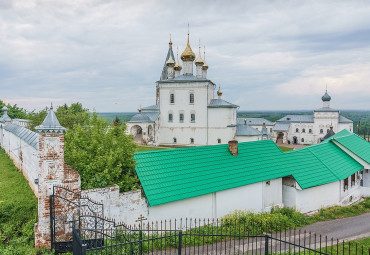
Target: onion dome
(188, 54)
(219, 92)
(199, 61)
(170, 62)
(326, 97)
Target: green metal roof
(322, 164)
(175, 174)
(341, 133)
(356, 144)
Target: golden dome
(199, 61)
(188, 54)
(219, 92)
(170, 62)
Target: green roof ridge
(323, 163)
(353, 134)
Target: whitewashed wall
(28, 164)
(248, 138)
(122, 207)
(366, 178)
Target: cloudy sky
(107, 54)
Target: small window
(297, 130)
(174, 140)
(345, 184)
(191, 98)
(172, 98)
(268, 183)
(170, 117)
(353, 180)
(181, 117)
(321, 131)
(192, 117)
(310, 131)
(218, 140)
(302, 140)
(303, 130)
(191, 140)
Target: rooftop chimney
(233, 147)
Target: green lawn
(285, 148)
(18, 211)
(147, 148)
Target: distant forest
(356, 116)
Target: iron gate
(66, 207)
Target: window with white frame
(192, 117)
(170, 117)
(181, 117)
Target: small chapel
(187, 112)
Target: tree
(116, 122)
(14, 112)
(102, 154)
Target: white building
(186, 110)
(310, 129)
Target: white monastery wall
(122, 207)
(272, 193)
(23, 155)
(246, 138)
(366, 178)
(289, 196)
(312, 199)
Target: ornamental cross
(141, 219)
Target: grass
(147, 148)
(18, 211)
(283, 148)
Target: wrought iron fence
(196, 237)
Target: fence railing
(195, 237)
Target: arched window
(174, 140)
(303, 130)
(170, 117)
(302, 140)
(218, 140)
(181, 117)
(192, 117)
(310, 131)
(321, 131)
(297, 130)
(191, 140)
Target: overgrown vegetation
(101, 152)
(283, 148)
(18, 211)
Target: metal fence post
(83, 249)
(51, 222)
(266, 244)
(180, 242)
(141, 242)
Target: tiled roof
(344, 119)
(280, 126)
(220, 103)
(176, 174)
(246, 130)
(184, 78)
(25, 134)
(254, 121)
(144, 117)
(297, 118)
(151, 108)
(356, 145)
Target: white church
(187, 113)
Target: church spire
(169, 54)
(199, 64)
(188, 57)
(177, 67)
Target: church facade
(187, 112)
(313, 128)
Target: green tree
(14, 111)
(116, 122)
(102, 154)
